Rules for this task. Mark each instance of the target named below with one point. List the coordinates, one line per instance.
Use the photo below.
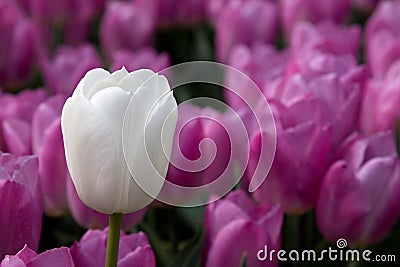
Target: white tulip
(118, 130)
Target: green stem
(114, 229)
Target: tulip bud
(359, 197)
(248, 22)
(381, 99)
(125, 26)
(326, 37)
(20, 203)
(247, 227)
(382, 37)
(90, 251)
(16, 113)
(68, 66)
(57, 257)
(47, 143)
(313, 11)
(17, 46)
(262, 63)
(143, 58)
(301, 157)
(118, 130)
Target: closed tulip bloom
(59, 11)
(236, 226)
(382, 37)
(16, 113)
(326, 37)
(111, 122)
(214, 8)
(17, 46)
(91, 219)
(202, 150)
(263, 64)
(301, 159)
(47, 143)
(313, 11)
(170, 12)
(193, 126)
(143, 58)
(381, 99)
(26, 257)
(125, 26)
(339, 95)
(361, 191)
(20, 203)
(68, 66)
(247, 22)
(134, 250)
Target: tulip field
(199, 133)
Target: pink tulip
(380, 102)
(325, 37)
(134, 250)
(215, 7)
(365, 6)
(90, 219)
(76, 29)
(263, 64)
(71, 19)
(338, 91)
(20, 203)
(58, 11)
(301, 158)
(169, 12)
(202, 150)
(145, 58)
(247, 22)
(125, 26)
(68, 66)
(236, 226)
(58, 257)
(382, 37)
(361, 191)
(208, 146)
(47, 143)
(17, 46)
(16, 113)
(313, 11)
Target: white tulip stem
(114, 229)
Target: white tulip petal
(138, 113)
(111, 104)
(90, 152)
(103, 84)
(134, 80)
(159, 86)
(160, 131)
(91, 78)
(148, 162)
(119, 75)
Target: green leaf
(159, 247)
(190, 254)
